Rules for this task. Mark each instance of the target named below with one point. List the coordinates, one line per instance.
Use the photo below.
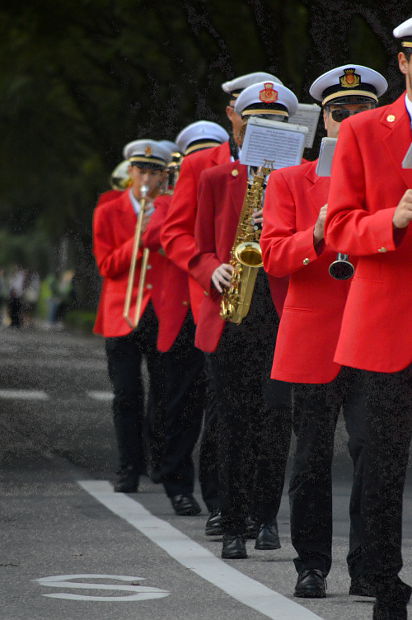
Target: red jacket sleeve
(349, 226)
(205, 260)
(112, 260)
(283, 247)
(177, 234)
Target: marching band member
(183, 362)
(178, 230)
(293, 245)
(177, 237)
(254, 412)
(197, 137)
(370, 208)
(113, 238)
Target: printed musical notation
(280, 143)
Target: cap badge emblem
(148, 150)
(268, 94)
(350, 79)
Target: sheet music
(273, 141)
(407, 160)
(308, 116)
(327, 150)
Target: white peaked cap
(169, 145)
(147, 151)
(119, 178)
(266, 98)
(348, 80)
(121, 170)
(200, 134)
(235, 86)
(403, 30)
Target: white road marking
(24, 394)
(91, 365)
(140, 593)
(100, 395)
(195, 557)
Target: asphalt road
(59, 517)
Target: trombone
(173, 170)
(134, 322)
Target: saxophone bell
(249, 254)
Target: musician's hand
(146, 220)
(319, 230)
(257, 217)
(149, 206)
(403, 212)
(221, 276)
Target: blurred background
(80, 79)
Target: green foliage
(80, 320)
(80, 79)
(26, 250)
(42, 309)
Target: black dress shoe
(392, 591)
(185, 505)
(382, 611)
(267, 537)
(311, 583)
(363, 586)
(392, 597)
(213, 525)
(234, 547)
(127, 480)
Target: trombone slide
(140, 290)
(129, 292)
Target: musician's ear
(403, 63)
(325, 117)
(230, 112)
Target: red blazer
(111, 194)
(178, 231)
(367, 183)
(114, 225)
(221, 196)
(312, 314)
(175, 289)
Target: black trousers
(15, 311)
(136, 410)
(208, 454)
(388, 436)
(183, 410)
(316, 410)
(254, 416)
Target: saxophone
(245, 255)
